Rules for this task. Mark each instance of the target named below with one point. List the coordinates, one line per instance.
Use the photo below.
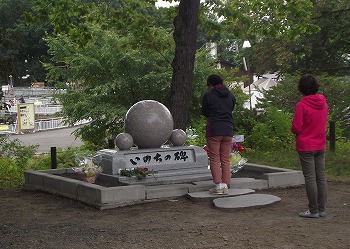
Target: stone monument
(148, 126)
(149, 123)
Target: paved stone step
(167, 179)
(206, 195)
(242, 183)
(245, 201)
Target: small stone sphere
(124, 141)
(178, 137)
(149, 123)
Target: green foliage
(277, 157)
(272, 130)
(66, 158)
(326, 50)
(198, 126)
(110, 75)
(14, 159)
(12, 172)
(19, 43)
(293, 35)
(12, 148)
(336, 162)
(285, 96)
(267, 18)
(11, 176)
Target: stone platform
(110, 197)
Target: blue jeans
(313, 165)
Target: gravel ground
(40, 220)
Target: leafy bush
(14, 149)
(198, 127)
(66, 158)
(14, 158)
(11, 176)
(337, 163)
(271, 132)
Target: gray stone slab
(89, 193)
(283, 179)
(159, 159)
(242, 183)
(54, 171)
(166, 191)
(245, 201)
(252, 183)
(158, 179)
(102, 197)
(210, 182)
(34, 179)
(59, 185)
(206, 194)
(199, 188)
(123, 195)
(264, 168)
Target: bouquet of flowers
(236, 160)
(88, 170)
(138, 173)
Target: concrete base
(111, 197)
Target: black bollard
(53, 158)
(332, 136)
(111, 144)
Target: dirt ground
(40, 220)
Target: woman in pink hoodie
(309, 125)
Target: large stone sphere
(124, 141)
(149, 123)
(178, 137)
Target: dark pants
(313, 164)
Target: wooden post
(19, 121)
(332, 136)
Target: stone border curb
(111, 197)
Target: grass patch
(337, 163)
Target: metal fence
(40, 109)
(44, 124)
(32, 91)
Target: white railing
(41, 109)
(45, 124)
(32, 91)
(49, 124)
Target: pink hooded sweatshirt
(310, 123)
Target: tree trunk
(185, 37)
